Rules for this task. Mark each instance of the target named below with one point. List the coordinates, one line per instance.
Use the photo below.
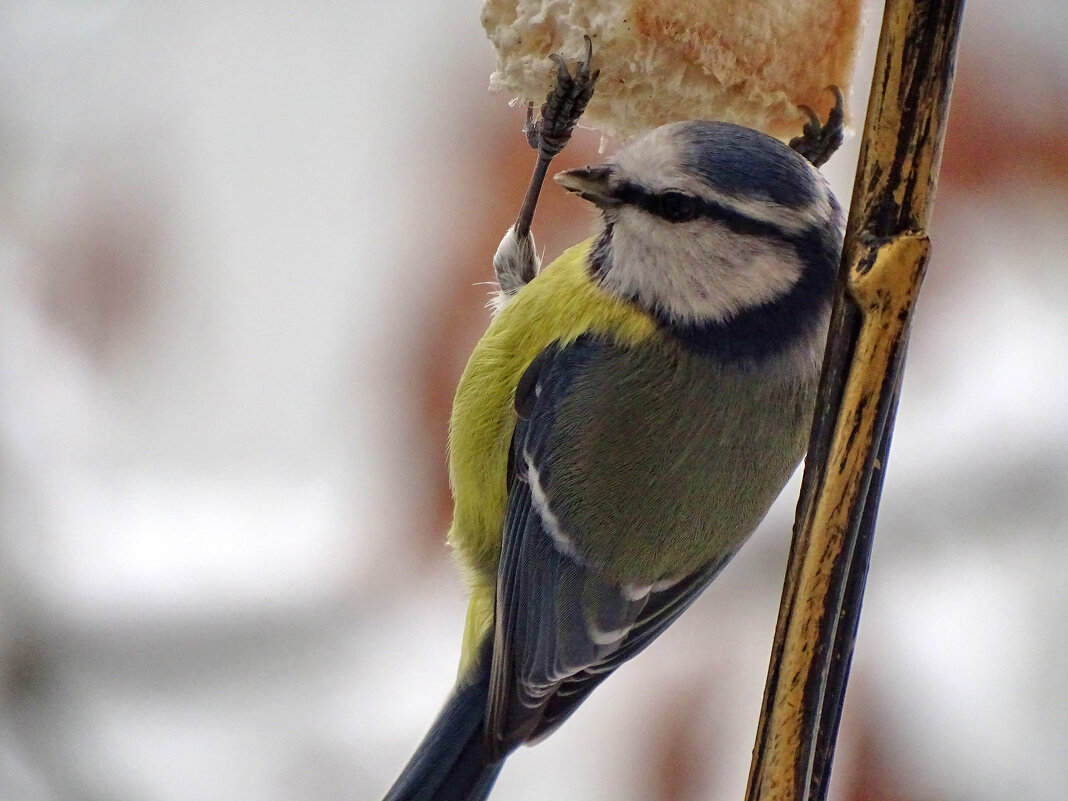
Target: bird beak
(591, 183)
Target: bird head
(707, 222)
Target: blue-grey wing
(561, 625)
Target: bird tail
(453, 762)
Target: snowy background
(240, 249)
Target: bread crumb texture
(752, 62)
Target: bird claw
(530, 128)
(820, 140)
(564, 105)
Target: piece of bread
(752, 62)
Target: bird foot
(820, 140)
(563, 106)
(516, 261)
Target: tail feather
(453, 763)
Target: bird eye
(675, 206)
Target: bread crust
(752, 62)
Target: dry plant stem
(883, 261)
(885, 283)
(846, 631)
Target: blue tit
(624, 424)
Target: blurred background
(243, 249)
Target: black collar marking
(767, 330)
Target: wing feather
(561, 625)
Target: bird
(625, 422)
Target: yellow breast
(559, 305)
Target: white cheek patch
(698, 271)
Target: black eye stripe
(677, 206)
(653, 202)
